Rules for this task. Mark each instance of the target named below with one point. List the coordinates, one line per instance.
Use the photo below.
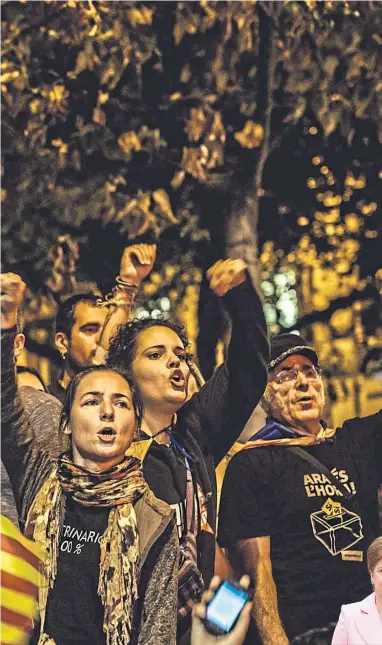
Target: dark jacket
(43, 412)
(28, 468)
(55, 389)
(211, 421)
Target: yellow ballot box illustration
(335, 527)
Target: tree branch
(369, 293)
(269, 54)
(242, 238)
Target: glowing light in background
(281, 305)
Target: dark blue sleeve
(366, 433)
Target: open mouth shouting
(107, 435)
(305, 401)
(177, 381)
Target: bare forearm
(265, 608)
(117, 316)
(136, 263)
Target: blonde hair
(374, 554)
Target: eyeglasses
(289, 375)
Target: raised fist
(137, 262)
(224, 275)
(12, 293)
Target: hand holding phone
(223, 615)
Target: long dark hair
(76, 380)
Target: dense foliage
(125, 120)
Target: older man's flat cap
(284, 345)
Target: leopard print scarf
(118, 489)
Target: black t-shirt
(318, 539)
(74, 612)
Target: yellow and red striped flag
(20, 580)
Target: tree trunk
(243, 204)
(243, 217)
(241, 231)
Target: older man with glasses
(299, 504)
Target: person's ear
(62, 343)
(323, 395)
(266, 400)
(18, 345)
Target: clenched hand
(224, 275)
(137, 262)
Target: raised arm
(136, 263)
(367, 430)
(26, 466)
(227, 400)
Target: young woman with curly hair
(183, 439)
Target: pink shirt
(359, 624)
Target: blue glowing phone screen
(226, 605)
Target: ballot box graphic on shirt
(336, 528)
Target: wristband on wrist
(117, 298)
(122, 295)
(126, 285)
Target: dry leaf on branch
(178, 179)
(162, 199)
(143, 16)
(137, 208)
(99, 116)
(194, 160)
(63, 258)
(195, 126)
(251, 135)
(129, 141)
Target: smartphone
(225, 607)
